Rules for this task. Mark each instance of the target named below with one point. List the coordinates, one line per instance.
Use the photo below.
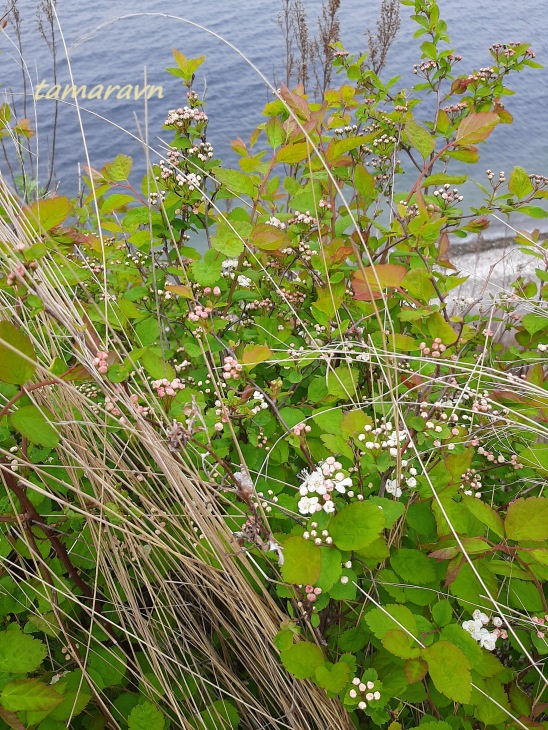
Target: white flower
(497, 621)
(480, 616)
(329, 506)
(307, 505)
(314, 481)
(244, 281)
(411, 482)
(392, 488)
(487, 640)
(229, 264)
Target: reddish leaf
(415, 670)
(379, 277)
(268, 238)
(476, 128)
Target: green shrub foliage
(291, 333)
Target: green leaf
(413, 566)
(156, 366)
(253, 355)
(527, 519)
(275, 131)
(186, 66)
(450, 671)
(400, 644)
(442, 612)
(268, 238)
(364, 182)
(476, 127)
(146, 716)
(119, 169)
(235, 181)
(302, 561)
(438, 327)
(418, 283)
(420, 138)
(519, 183)
(15, 348)
(20, 653)
(46, 213)
(535, 456)
(534, 323)
(207, 272)
(302, 659)
(333, 677)
(330, 568)
(442, 178)
(292, 153)
(29, 695)
(533, 211)
(116, 201)
(221, 715)
(109, 663)
(485, 514)
(342, 382)
(356, 526)
(34, 424)
(392, 618)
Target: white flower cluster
(276, 223)
(244, 281)
(326, 478)
(191, 180)
(392, 486)
(181, 117)
(477, 629)
(260, 403)
(383, 437)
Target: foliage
(287, 476)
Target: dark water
(114, 42)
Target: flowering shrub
(343, 460)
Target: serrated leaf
(15, 348)
(392, 618)
(449, 670)
(46, 213)
(119, 169)
(420, 138)
(534, 323)
(527, 519)
(366, 284)
(268, 238)
(35, 424)
(485, 514)
(356, 526)
(20, 653)
(221, 715)
(116, 201)
(533, 211)
(413, 566)
(235, 181)
(333, 677)
(400, 644)
(293, 153)
(476, 127)
(29, 695)
(302, 561)
(364, 182)
(110, 663)
(519, 183)
(302, 659)
(254, 355)
(415, 670)
(145, 716)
